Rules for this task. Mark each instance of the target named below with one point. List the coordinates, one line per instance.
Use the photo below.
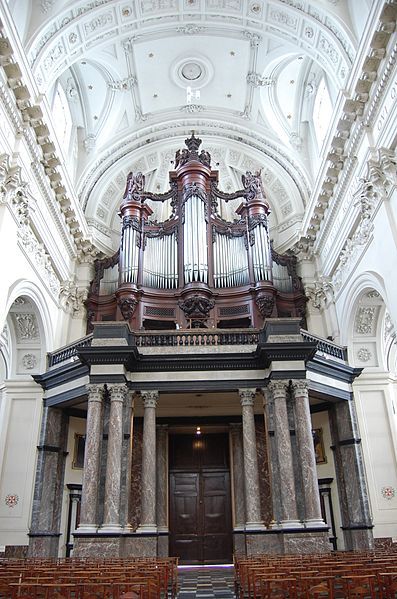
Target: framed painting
(319, 451)
(78, 452)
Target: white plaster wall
(375, 269)
(375, 402)
(20, 415)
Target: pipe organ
(195, 269)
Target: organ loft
(195, 269)
(195, 386)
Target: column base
(315, 523)
(110, 528)
(290, 524)
(163, 529)
(146, 529)
(87, 528)
(254, 526)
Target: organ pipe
(195, 241)
(160, 266)
(261, 254)
(129, 252)
(230, 261)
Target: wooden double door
(200, 511)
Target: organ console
(195, 269)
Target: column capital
(300, 388)
(150, 398)
(118, 391)
(278, 388)
(267, 396)
(235, 427)
(247, 396)
(95, 392)
(162, 429)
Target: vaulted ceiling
(131, 70)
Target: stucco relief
(40, 258)
(319, 293)
(98, 23)
(11, 500)
(27, 327)
(29, 361)
(363, 354)
(365, 320)
(365, 199)
(389, 330)
(72, 298)
(388, 492)
(46, 5)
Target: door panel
(200, 514)
(185, 491)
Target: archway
(22, 353)
(372, 348)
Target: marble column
(251, 474)
(111, 512)
(89, 497)
(238, 476)
(148, 481)
(288, 510)
(307, 458)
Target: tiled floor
(206, 582)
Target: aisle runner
(206, 582)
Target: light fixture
(198, 430)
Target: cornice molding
(27, 117)
(356, 113)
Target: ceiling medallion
(191, 71)
(195, 71)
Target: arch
(367, 326)
(32, 293)
(366, 281)
(286, 186)
(97, 24)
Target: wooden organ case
(195, 269)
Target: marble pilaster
(126, 458)
(111, 516)
(50, 470)
(238, 476)
(162, 488)
(89, 498)
(352, 485)
(307, 458)
(148, 501)
(287, 509)
(251, 474)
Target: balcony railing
(194, 338)
(68, 352)
(325, 346)
(198, 337)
